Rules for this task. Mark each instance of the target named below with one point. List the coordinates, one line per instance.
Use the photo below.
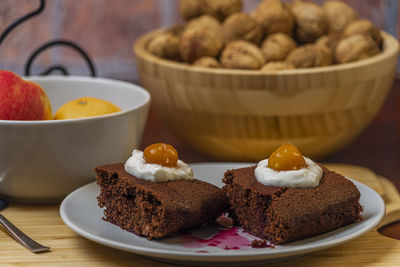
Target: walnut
(363, 26)
(205, 21)
(165, 45)
(221, 9)
(207, 62)
(328, 42)
(199, 42)
(277, 65)
(242, 55)
(311, 21)
(355, 47)
(274, 16)
(308, 56)
(176, 29)
(240, 26)
(339, 15)
(277, 46)
(190, 9)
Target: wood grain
(377, 148)
(244, 115)
(44, 224)
(392, 201)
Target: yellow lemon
(85, 107)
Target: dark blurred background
(107, 30)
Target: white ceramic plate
(80, 212)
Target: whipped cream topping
(137, 166)
(309, 176)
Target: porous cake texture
(283, 214)
(155, 210)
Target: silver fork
(22, 238)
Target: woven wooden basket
(244, 115)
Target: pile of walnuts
(275, 36)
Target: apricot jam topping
(162, 154)
(287, 157)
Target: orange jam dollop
(287, 157)
(162, 154)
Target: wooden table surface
(377, 148)
(44, 224)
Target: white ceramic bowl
(43, 161)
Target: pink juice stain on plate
(227, 239)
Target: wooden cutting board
(44, 224)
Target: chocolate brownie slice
(157, 209)
(283, 214)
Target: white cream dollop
(309, 176)
(137, 166)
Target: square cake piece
(282, 214)
(156, 209)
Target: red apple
(22, 100)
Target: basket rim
(390, 50)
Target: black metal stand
(50, 44)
